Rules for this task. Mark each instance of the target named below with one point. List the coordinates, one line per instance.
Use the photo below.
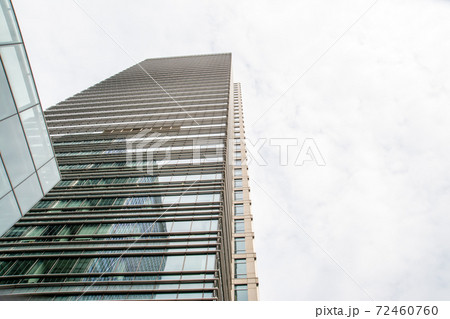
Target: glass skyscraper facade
(147, 205)
(28, 168)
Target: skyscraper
(154, 200)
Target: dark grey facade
(144, 210)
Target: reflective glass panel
(173, 263)
(239, 245)
(4, 182)
(240, 292)
(240, 268)
(28, 193)
(37, 136)
(14, 150)
(9, 32)
(238, 209)
(7, 106)
(49, 175)
(195, 262)
(9, 212)
(238, 195)
(19, 75)
(239, 226)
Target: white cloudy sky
(375, 220)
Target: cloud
(376, 104)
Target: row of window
(140, 180)
(140, 163)
(111, 288)
(106, 229)
(129, 201)
(107, 265)
(131, 296)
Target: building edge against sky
(181, 231)
(28, 168)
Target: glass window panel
(41, 267)
(106, 202)
(201, 225)
(238, 183)
(239, 245)
(104, 229)
(5, 186)
(75, 203)
(165, 296)
(240, 292)
(188, 199)
(28, 193)
(88, 229)
(16, 231)
(37, 135)
(239, 226)
(211, 265)
(128, 264)
(190, 295)
(82, 265)
(20, 267)
(4, 266)
(238, 195)
(6, 100)
(238, 172)
(9, 31)
(184, 226)
(240, 268)
(52, 230)
(14, 150)
(170, 199)
(49, 175)
(90, 202)
(173, 263)
(19, 75)
(205, 198)
(104, 264)
(63, 266)
(195, 262)
(69, 230)
(36, 231)
(238, 209)
(151, 263)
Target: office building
(28, 168)
(154, 200)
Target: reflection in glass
(240, 268)
(28, 193)
(49, 175)
(19, 76)
(9, 212)
(238, 209)
(239, 245)
(4, 182)
(195, 262)
(7, 106)
(14, 150)
(36, 132)
(9, 32)
(241, 292)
